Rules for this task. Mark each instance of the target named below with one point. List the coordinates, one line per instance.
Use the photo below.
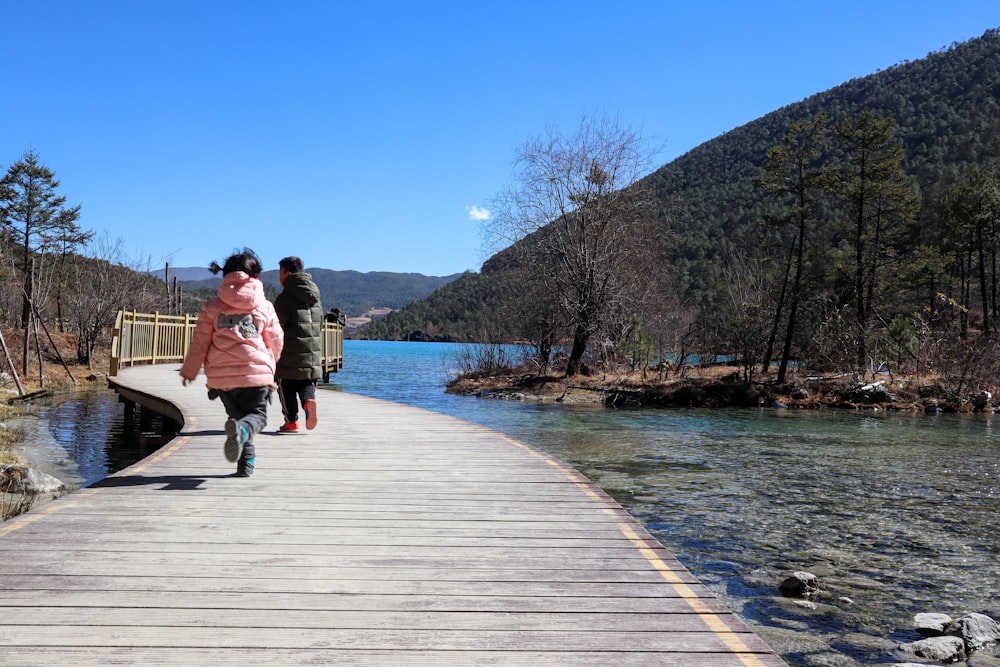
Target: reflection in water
(895, 513)
(80, 439)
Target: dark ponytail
(246, 261)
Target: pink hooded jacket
(237, 337)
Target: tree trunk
(38, 351)
(963, 316)
(765, 364)
(580, 338)
(859, 288)
(984, 291)
(544, 353)
(793, 307)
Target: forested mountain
(354, 292)
(947, 112)
(946, 109)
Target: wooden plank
(30, 657)
(398, 638)
(347, 619)
(120, 596)
(18, 578)
(290, 581)
(389, 535)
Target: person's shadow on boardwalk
(168, 482)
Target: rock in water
(22, 479)
(976, 630)
(799, 585)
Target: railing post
(340, 346)
(116, 343)
(156, 337)
(131, 337)
(189, 323)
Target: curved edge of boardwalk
(388, 535)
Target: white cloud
(478, 214)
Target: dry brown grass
(711, 386)
(590, 387)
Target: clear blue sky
(361, 135)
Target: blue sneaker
(236, 436)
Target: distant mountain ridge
(353, 292)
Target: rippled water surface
(895, 513)
(77, 437)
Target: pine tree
(37, 221)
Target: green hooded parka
(300, 313)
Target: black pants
(248, 405)
(293, 394)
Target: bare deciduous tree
(747, 316)
(97, 286)
(579, 226)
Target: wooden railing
(152, 338)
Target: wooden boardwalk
(387, 536)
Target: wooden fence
(152, 338)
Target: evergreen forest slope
(947, 112)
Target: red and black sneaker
(309, 406)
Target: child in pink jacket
(237, 339)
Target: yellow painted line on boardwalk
(164, 452)
(70, 500)
(51, 508)
(710, 618)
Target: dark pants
(293, 394)
(247, 405)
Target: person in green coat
(299, 368)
